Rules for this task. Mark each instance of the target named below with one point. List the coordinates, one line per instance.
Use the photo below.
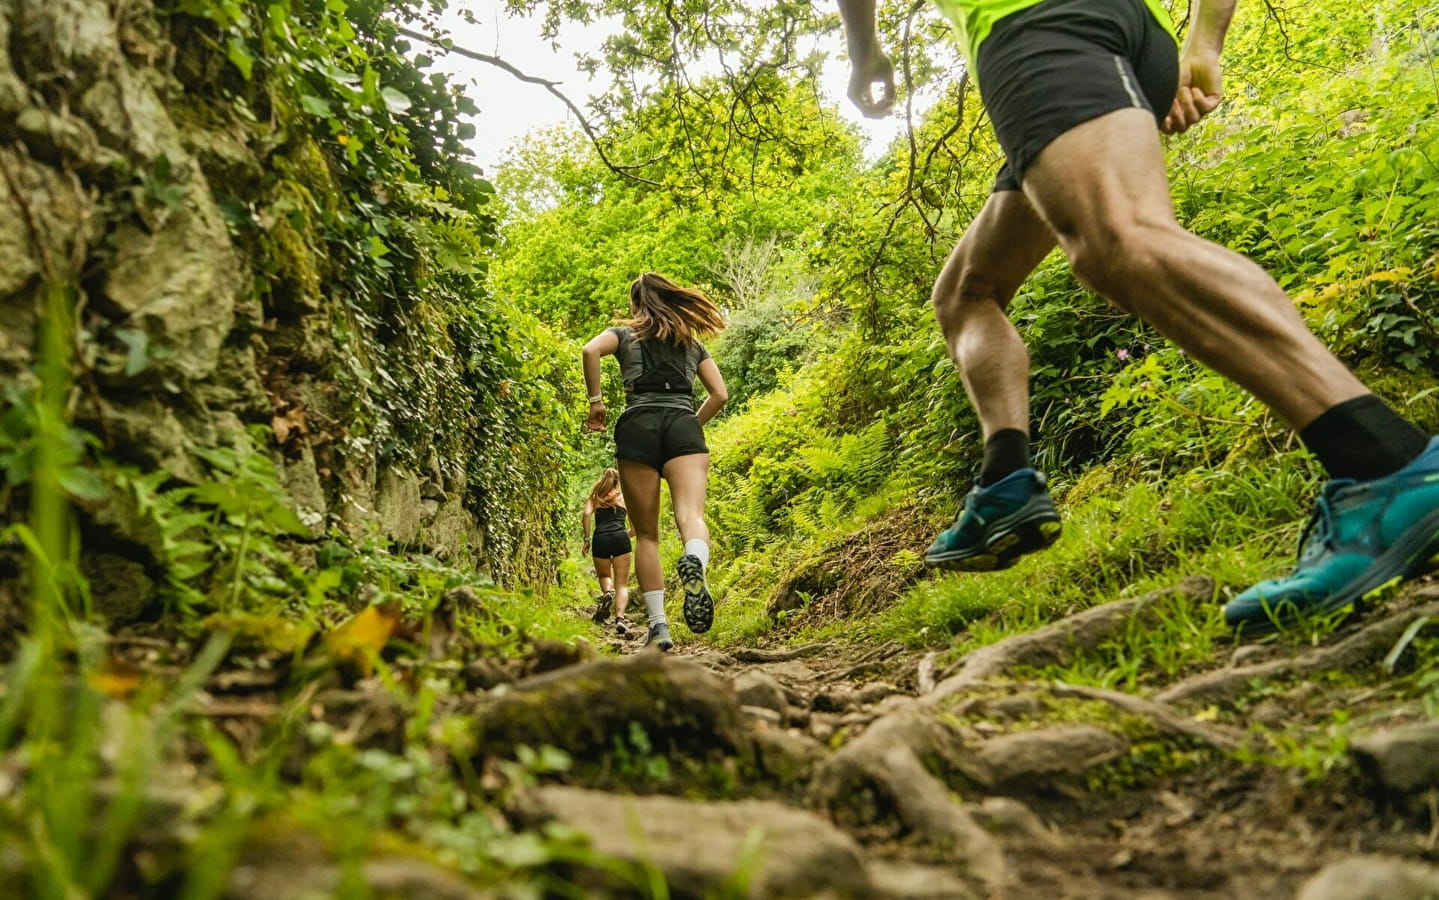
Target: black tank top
(609, 518)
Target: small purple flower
(1122, 355)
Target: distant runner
(609, 548)
(1078, 91)
(660, 435)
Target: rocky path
(845, 771)
(866, 773)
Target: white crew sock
(655, 607)
(699, 549)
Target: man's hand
(870, 65)
(595, 421)
(1199, 94)
(870, 68)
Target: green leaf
(83, 484)
(396, 102)
(137, 345)
(316, 106)
(239, 54)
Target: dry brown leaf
(117, 680)
(288, 423)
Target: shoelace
(1320, 527)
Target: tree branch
(450, 47)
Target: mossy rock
(682, 708)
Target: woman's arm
(713, 381)
(603, 344)
(585, 524)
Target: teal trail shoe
(699, 605)
(660, 637)
(998, 525)
(1363, 539)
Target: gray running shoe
(603, 606)
(699, 605)
(660, 637)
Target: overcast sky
(510, 108)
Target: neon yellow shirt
(973, 20)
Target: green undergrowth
(1124, 540)
(118, 775)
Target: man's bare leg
(1102, 189)
(1012, 514)
(998, 251)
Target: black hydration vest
(609, 518)
(662, 369)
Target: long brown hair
(600, 494)
(664, 310)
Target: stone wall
(114, 180)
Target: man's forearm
(859, 33)
(1209, 24)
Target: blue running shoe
(699, 605)
(1363, 539)
(997, 525)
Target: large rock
(681, 707)
(1373, 878)
(452, 532)
(1402, 760)
(748, 848)
(177, 286)
(13, 94)
(301, 481)
(38, 230)
(756, 688)
(1030, 759)
(399, 505)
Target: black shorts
(608, 544)
(1060, 63)
(654, 435)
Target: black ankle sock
(1363, 438)
(1006, 452)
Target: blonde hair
(668, 312)
(599, 494)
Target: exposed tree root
(1165, 718)
(746, 655)
(882, 774)
(868, 661)
(1223, 685)
(924, 678)
(1062, 641)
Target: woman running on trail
(609, 547)
(660, 435)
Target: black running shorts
(654, 435)
(1060, 63)
(609, 543)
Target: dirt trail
(843, 771)
(979, 782)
